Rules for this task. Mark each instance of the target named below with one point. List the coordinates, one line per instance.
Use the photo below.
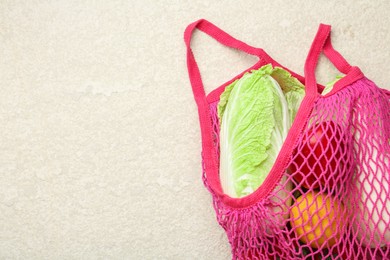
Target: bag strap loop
(209, 156)
(222, 37)
(322, 42)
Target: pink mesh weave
(348, 166)
(328, 194)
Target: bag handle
(222, 37)
(322, 42)
(209, 156)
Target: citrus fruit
(318, 219)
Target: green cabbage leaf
(255, 113)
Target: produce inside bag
(255, 114)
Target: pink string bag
(328, 193)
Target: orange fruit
(318, 219)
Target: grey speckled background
(100, 143)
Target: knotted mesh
(333, 199)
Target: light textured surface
(100, 142)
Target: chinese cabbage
(255, 114)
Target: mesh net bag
(328, 194)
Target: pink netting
(332, 202)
